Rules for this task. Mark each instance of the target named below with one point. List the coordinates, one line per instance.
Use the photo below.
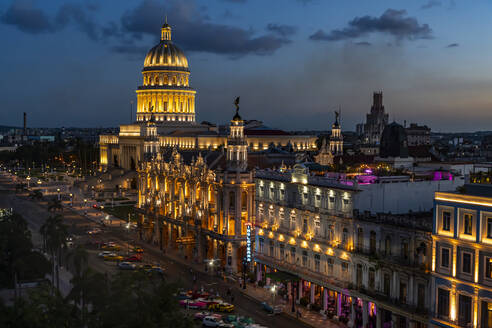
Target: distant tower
(376, 120)
(25, 124)
(336, 138)
(151, 143)
(237, 146)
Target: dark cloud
(282, 29)
(392, 22)
(453, 45)
(363, 43)
(194, 32)
(79, 16)
(27, 18)
(431, 4)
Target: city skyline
(303, 59)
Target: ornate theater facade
(193, 205)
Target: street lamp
(71, 200)
(85, 202)
(58, 190)
(273, 290)
(28, 180)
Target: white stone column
(312, 290)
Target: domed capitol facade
(166, 91)
(167, 99)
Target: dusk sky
(78, 63)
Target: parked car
(137, 249)
(221, 306)
(193, 304)
(113, 257)
(202, 314)
(226, 325)
(105, 253)
(126, 266)
(111, 247)
(211, 321)
(134, 258)
(272, 309)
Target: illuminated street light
(58, 190)
(71, 199)
(28, 180)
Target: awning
(282, 276)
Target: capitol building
(167, 98)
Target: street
(35, 212)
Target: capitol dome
(165, 94)
(166, 53)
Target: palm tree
(54, 239)
(36, 194)
(55, 204)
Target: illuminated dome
(166, 53)
(165, 94)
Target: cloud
(392, 22)
(282, 29)
(453, 45)
(27, 18)
(363, 43)
(431, 4)
(195, 32)
(79, 16)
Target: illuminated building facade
(166, 96)
(462, 258)
(371, 270)
(191, 204)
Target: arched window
(244, 201)
(174, 80)
(232, 200)
(360, 239)
(345, 237)
(387, 246)
(166, 81)
(404, 249)
(372, 242)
